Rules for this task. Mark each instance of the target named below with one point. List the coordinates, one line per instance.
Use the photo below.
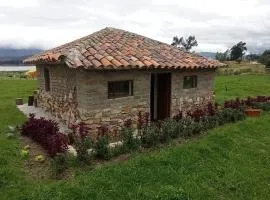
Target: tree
(252, 57)
(223, 56)
(238, 50)
(265, 58)
(185, 44)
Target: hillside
(208, 55)
(12, 56)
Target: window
(190, 82)
(118, 89)
(47, 79)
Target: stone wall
(61, 100)
(188, 99)
(95, 106)
(79, 95)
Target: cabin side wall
(96, 108)
(188, 99)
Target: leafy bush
(143, 119)
(150, 135)
(130, 142)
(59, 164)
(197, 114)
(185, 127)
(234, 104)
(264, 105)
(46, 133)
(101, 147)
(170, 129)
(228, 115)
(80, 138)
(197, 128)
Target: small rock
(40, 158)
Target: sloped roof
(112, 48)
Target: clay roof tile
(119, 49)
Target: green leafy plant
(80, 139)
(130, 141)
(150, 135)
(262, 105)
(170, 129)
(185, 127)
(197, 128)
(59, 164)
(101, 148)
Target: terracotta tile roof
(112, 48)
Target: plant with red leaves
(196, 114)
(234, 104)
(179, 115)
(103, 130)
(46, 133)
(80, 138)
(127, 123)
(211, 109)
(143, 119)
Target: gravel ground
(39, 112)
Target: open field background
(230, 162)
(243, 68)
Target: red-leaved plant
(143, 119)
(46, 133)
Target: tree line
(236, 53)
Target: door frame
(155, 81)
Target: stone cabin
(111, 75)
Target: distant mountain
(12, 56)
(208, 54)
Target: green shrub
(130, 142)
(170, 129)
(197, 128)
(82, 146)
(79, 137)
(101, 148)
(263, 105)
(150, 135)
(59, 164)
(209, 122)
(228, 115)
(185, 127)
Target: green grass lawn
(231, 162)
(241, 86)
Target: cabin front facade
(112, 75)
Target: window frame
(129, 94)
(47, 80)
(193, 84)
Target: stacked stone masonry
(79, 95)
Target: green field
(230, 162)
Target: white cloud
(216, 24)
(19, 3)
